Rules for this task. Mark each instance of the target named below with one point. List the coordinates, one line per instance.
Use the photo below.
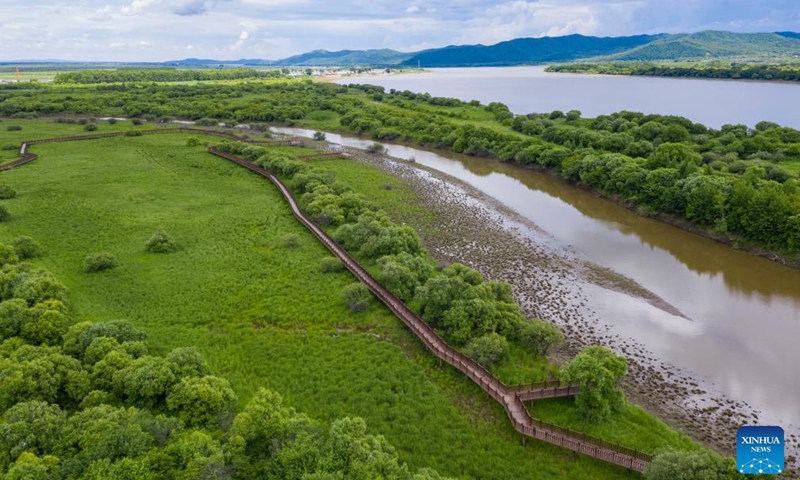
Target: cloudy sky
(157, 30)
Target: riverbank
(467, 226)
(734, 241)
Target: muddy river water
(741, 313)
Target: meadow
(246, 288)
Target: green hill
(319, 58)
(527, 51)
(713, 44)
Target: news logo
(759, 450)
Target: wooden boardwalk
(512, 398)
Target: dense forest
(789, 72)
(734, 181)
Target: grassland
(261, 312)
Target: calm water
(744, 311)
(530, 89)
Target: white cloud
(138, 6)
(241, 41)
(271, 29)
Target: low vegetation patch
(160, 243)
(357, 297)
(7, 192)
(98, 262)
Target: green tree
(45, 323)
(266, 425)
(672, 465)
(706, 197)
(31, 426)
(403, 273)
(81, 335)
(673, 155)
(8, 255)
(30, 467)
(202, 401)
(596, 370)
(26, 247)
(188, 362)
(539, 336)
(488, 350)
(146, 381)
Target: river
(531, 89)
(743, 312)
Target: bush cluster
(90, 401)
(97, 262)
(160, 243)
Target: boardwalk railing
(511, 398)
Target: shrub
(376, 148)
(539, 336)
(8, 254)
(356, 296)
(671, 465)
(136, 121)
(6, 192)
(160, 243)
(99, 261)
(193, 142)
(14, 128)
(112, 121)
(90, 127)
(331, 265)
(4, 215)
(26, 247)
(133, 133)
(290, 241)
(488, 349)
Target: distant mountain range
(532, 51)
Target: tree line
(160, 75)
(662, 164)
(787, 72)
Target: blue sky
(157, 30)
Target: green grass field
(262, 313)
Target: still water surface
(744, 312)
(531, 89)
